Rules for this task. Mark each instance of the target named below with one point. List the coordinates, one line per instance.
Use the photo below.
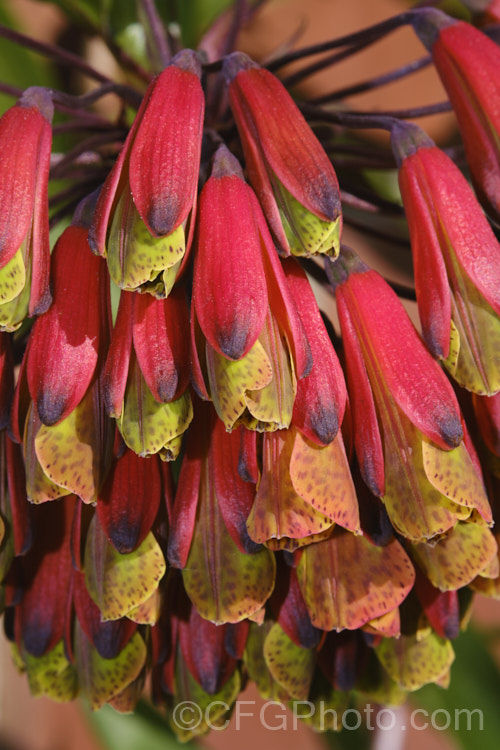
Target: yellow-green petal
(117, 583)
(290, 665)
(413, 663)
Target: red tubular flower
(320, 402)
(146, 203)
(226, 575)
(255, 348)
(146, 375)
(66, 432)
(289, 170)
(468, 63)
(408, 433)
(66, 342)
(457, 262)
(25, 145)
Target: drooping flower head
(147, 204)
(25, 145)
(288, 168)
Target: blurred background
(38, 724)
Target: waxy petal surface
(229, 285)
(165, 154)
(161, 343)
(128, 502)
(392, 347)
(65, 343)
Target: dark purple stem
(326, 62)
(54, 53)
(157, 35)
(371, 33)
(373, 83)
(126, 93)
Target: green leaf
(195, 16)
(475, 685)
(146, 728)
(20, 67)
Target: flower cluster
(321, 536)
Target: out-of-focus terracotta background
(38, 724)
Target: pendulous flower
(25, 146)
(468, 63)
(288, 168)
(248, 342)
(456, 258)
(147, 204)
(407, 423)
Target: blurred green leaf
(195, 16)
(475, 684)
(145, 728)
(20, 67)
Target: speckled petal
(148, 426)
(347, 581)
(52, 675)
(258, 670)
(321, 476)
(230, 380)
(135, 257)
(426, 512)
(306, 233)
(224, 584)
(101, 679)
(69, 452)
(278, 512)
(39, 487)
(118, 583)
(453, 473)
(413, 663)
(290, 665)
(458, 557)
(12, 278)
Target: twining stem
(54, 53)
(126, 93)
(372, 83)
(84, 146)
(326, 62)
(380, 120)
(371, 33)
